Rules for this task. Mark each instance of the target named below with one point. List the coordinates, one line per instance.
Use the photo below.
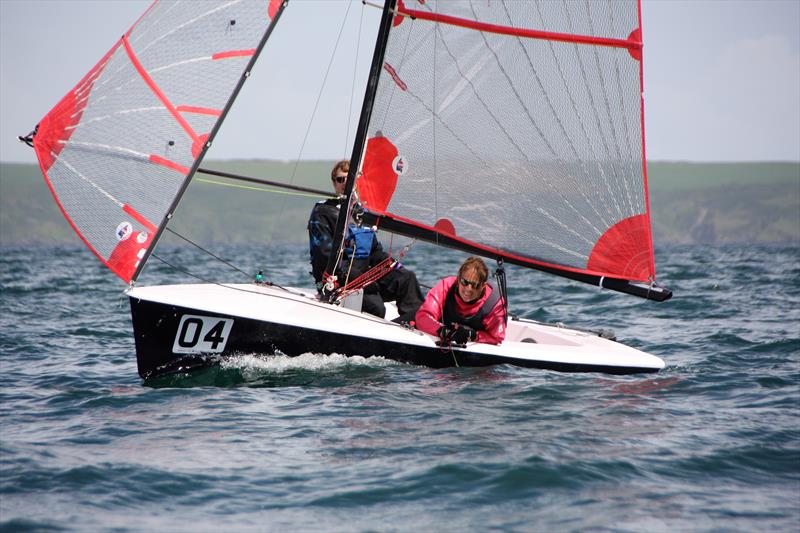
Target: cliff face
(729, 214)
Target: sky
(722, 77)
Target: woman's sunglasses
(339, 179)
(473, 284)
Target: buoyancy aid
(450, 313)
(362, 238)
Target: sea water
(329, 443)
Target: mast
(208, 142)
(361, 132)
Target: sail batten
(630, 43)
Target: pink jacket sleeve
(429, 316)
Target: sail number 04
(202, 334)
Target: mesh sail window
(515, 128)
(117, 150)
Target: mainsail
(515, 130)
(120, 148)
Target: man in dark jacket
(400, 284)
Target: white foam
(306, 361)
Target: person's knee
(373, 304)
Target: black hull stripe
(155, 327)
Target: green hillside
(690, 202)
(725, 202)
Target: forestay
(515, 129)
(118, 150)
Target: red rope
(370, 276)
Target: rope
(500, 276)
(234, 267)
(319, 95)
(350, 266)
(353, 83)
(311, 301)
(375, 273)
(370, 276)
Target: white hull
(189, 322)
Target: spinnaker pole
(361, 133)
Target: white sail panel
(516, 126)
(117, 150)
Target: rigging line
(360, 141)
(319, 94)
(572, 101)
(543, 137)
(399, 68)
(218, 258)
(307, 300)
(316, 106)
(605, 101)
(209, 137)
(353, 84)
(249, 188)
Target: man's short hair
(341, 166)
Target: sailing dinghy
(512, 130)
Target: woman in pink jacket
(464, 308)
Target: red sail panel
(378, 174)
(519, 127)
(117, 150)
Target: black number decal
(215, 335)
(198, 325)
